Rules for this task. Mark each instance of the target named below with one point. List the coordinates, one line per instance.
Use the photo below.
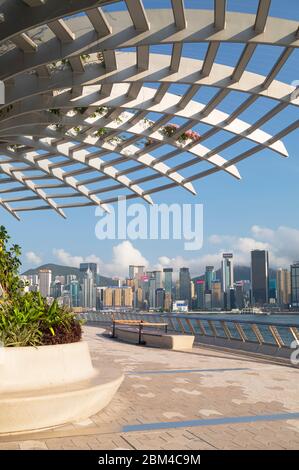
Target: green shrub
(26, 319)
(30, 321)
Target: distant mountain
(58, 270)
(241, 273)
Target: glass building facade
(260, 277)
(295, 285)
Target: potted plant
(47, 377)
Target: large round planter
(52, 385)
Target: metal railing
(211, 330)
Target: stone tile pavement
(204, 399)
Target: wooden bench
(142, 333)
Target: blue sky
(261, 210)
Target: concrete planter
(51, 385)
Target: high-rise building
(227, 271)
(138, 298)
(56, 289)
(200, 287)
(108, 297)
(283, 287)
(168, 302)
(168, 280)
(75, 293)
(272, 291)
(89, 290)
(208, 300)
(158, 279)
(240, 294)
(44, 281)
(295, 285)
(117, 297)
(93, 267)
(210, 276)
(216, 294)
(185, 291)
(136, 272)
(160, 298)
(260, 277)
(127, 297)
(152, 292)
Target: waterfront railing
(267, 337)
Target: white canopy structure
(90, 113)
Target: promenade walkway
(203, 399)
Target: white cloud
(123, 255)
(67, 259)
(282, 244)
(33, 258)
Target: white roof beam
(160, 93)
(138, 15)
(187, 97)
(25, 43)
(179, 13)
(98, 21)
(142, 57)
(110, 60)
(219, 14)
(262, 15)
(61, 31)
(134, 90)
(277, 67)
(77, 64)
(209, 58)
(176, 56)
(245, 57)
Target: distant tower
(260, 277)
(88, 290)
(93, 267)
(45, 281)
(227, 269)
(210, 276)
(168, 280)
(295, 285)
(283, 286)
(185, 290)
(200, 287)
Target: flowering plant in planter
(26, 318)
(170, 129)
(189, 135)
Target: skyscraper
(227, 270)
(93, 267)
(260, 277)
(45, 280)
(160, 298)
(168, 280)
(200, 293)
(185, 291)
(283, 286)
(210, 276)
(158, 278)
(216, 295)
(152, 292)
(88, 290)
(295, 285)
(74, 293)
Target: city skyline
(125, 254)
(170, 290)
